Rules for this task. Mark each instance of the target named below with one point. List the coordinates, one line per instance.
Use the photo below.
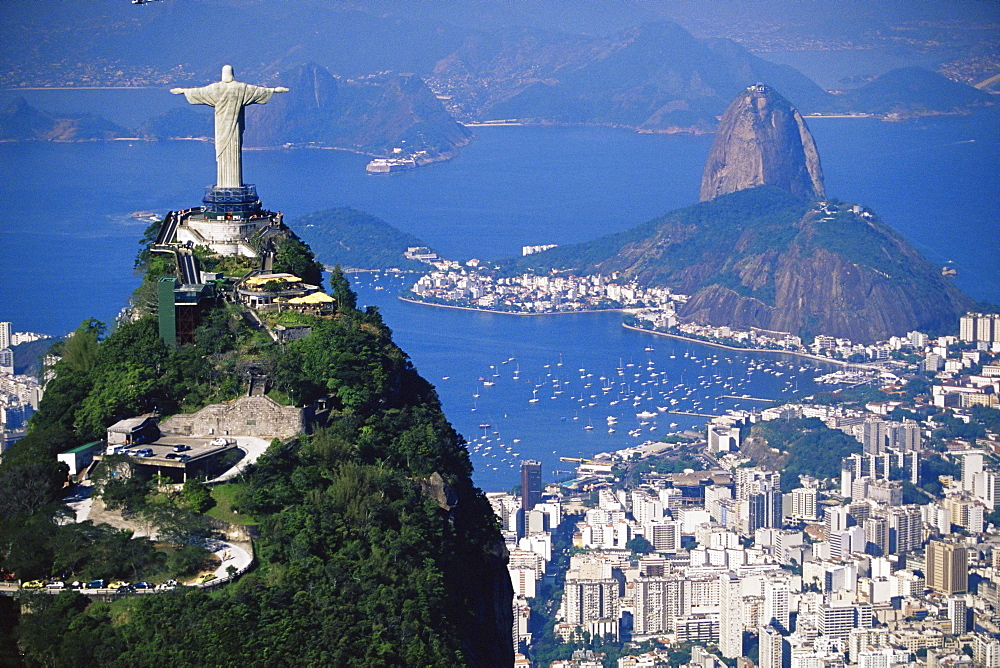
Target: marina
(544, 388)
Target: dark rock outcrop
(762, 140)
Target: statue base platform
(242, 200)
(232, 223)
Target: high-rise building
(775, 612)
(770, 643)
(663, 536)
(803, 502)
(906, 529)
(874, 436)
(730, 616)
(947, 567)
(758, 497)
(876, 536)
(837, 619)
(958, 613)
(979, 327)
(531, 483)
(5, 334)
(904, 436)
(6, 361)
(658, 601)
(986, 650)
(972, 463)
(586, 601)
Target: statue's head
(227, 74)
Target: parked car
(166, 586)
(205, 578)
(94, 584)
(56, 584)
(219, 441)
(142, 585)
(33, 584)
(181, 448)
(118, 585)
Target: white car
(220, 441)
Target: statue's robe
(229, 100)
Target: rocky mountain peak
(762, 140)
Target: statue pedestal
(227, 224)
(242, 200)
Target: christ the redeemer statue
(229, 97)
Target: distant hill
(372, 115)
(657, 77)
(765, 258)
(911, 91)
(19, 121)
(356, 240)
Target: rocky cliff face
(762, 140)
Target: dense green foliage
(375, 549)
(809, 448)
(358, 240)
(294, 257)
(873, 244)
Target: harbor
(573, 386)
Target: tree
(294, 257)
(340, 290)
(639, 545)
(197, 496)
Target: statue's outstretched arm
(178, 91)
(279, 89)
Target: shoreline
(410, 300)
(817, 358)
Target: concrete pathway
(253, 448)
(81, 500)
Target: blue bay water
(68, 241)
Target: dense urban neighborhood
(852, 527)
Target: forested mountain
(765, 258)
(911, 91)
(355, 239)
(375, 548)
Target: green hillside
(357, 240)
(375, 548)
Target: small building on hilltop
(133, 431)
(282, 292)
